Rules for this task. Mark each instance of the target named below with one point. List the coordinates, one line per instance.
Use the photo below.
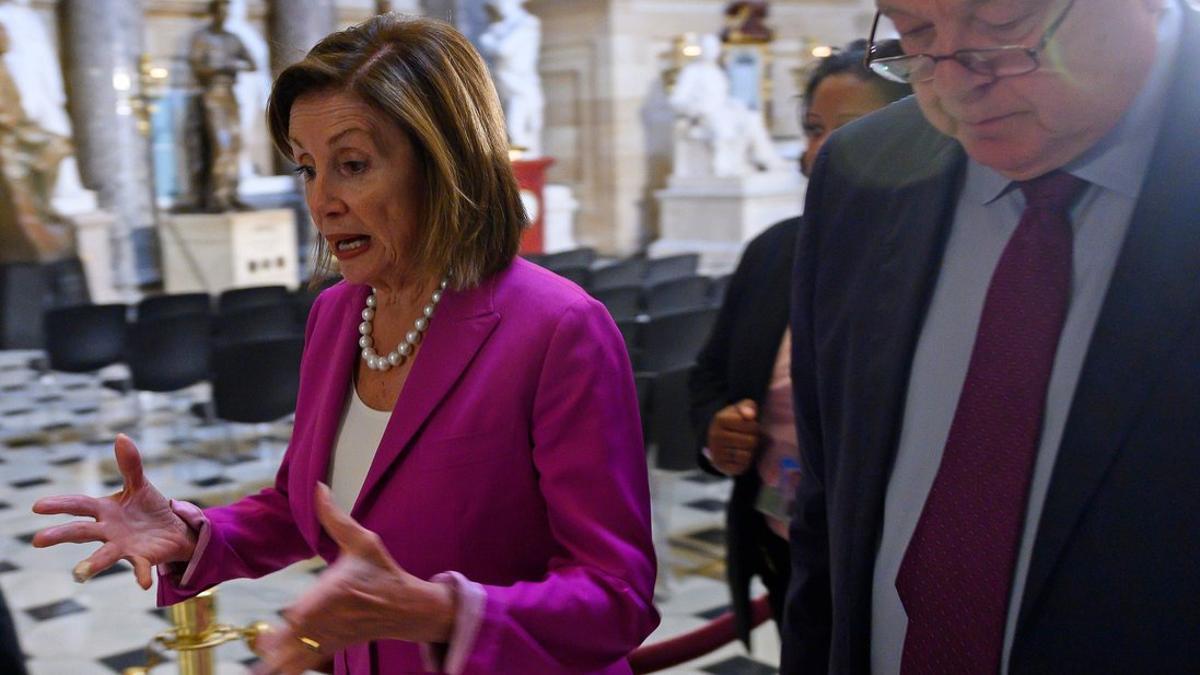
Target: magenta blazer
(513, 456)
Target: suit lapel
(770, 314)
(462, 324)
(919, 220)
(1155, 291)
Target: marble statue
(33, 65)
(252, 89)
(216, 57)
(30, 154)
(510, 44)
(734, 135)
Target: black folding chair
(170, 354)
(256, 382)
(671, 267)
(257, 323)
(716, 290)
(25, 294)
(623, 302)
(580, 274)
(673, 340)
(84, 338)
(236, 299)
(628, 272)
(577, 257)
(669, 427)
(677, 295)
(174, 304)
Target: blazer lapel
(459, 328)
(336, 337)
(1155, 291)
(920, 218)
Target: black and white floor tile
(55, 438)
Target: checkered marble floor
(56, 436)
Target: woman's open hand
(364, 595)
(135, 524)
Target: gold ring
(309, 643)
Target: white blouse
(357, 439)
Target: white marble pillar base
(212, 252)
(93, 242)
(717, 216)
(559, 206)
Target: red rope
(705, 639)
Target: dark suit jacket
(1113, 584)
(12, 661)
(735, 364)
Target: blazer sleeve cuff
(195, 519)
(452, 658)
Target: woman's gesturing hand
(364, 595)
(135, 524)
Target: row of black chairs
(667, 297)
(227, 302)
(582, 267)
(249, 353)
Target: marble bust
(510, 44)
(734, 136)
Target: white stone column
(468, 16)
(103, 40)
(294, 26)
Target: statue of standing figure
(30, 228)
(511, 44)
(734, 134)
(216, 57)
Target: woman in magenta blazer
(474, 415)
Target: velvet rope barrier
(707, 638)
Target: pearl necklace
(406, 346)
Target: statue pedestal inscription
(716, 216)
(213, 252)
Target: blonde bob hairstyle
(427, 78)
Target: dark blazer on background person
(12, 660)
(735, 364)
(1112, 585)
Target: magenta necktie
(956, 575)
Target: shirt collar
(1117, 161)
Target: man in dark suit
(996, 351)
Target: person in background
(741, 402)
(467, 452)
(12, 659)
(996, 350)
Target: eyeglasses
(995, 62)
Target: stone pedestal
(93, 241)
(715, 217)
(212, 252)
(560, 206)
